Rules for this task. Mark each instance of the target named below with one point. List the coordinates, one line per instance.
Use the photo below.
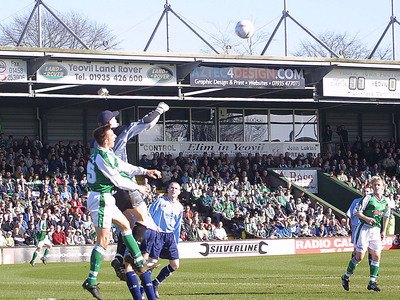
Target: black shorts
(122, 200)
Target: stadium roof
(314, 70)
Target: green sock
(352, 266)
(46, 252)
(95, 263)
(373, 271)
(133, 247)
(35, 254)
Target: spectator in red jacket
(59, 236)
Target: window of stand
(235, 125)
(231, 125)
(256, 125)
(177, 125)
(204, 128)
(305, 126)
(281, 125)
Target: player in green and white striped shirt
(41, 240)
(104, 172)
(373, 212)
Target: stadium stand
(237, 191)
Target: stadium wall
(211, 249)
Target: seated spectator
(144, 162)
(202, 232)
(30, 234)
(273, 234)
(193, 234)
(341, 176)
(183, 235)
(321, 231)
(166, 175)
(59, 236)
(216, 209)
(187, 212)
(65, 194)
(205, 203)
(228, 208)
(208, 225)
(90, 236)
(76, 205)
(70, 236)
(79, 239)
(9, 239)
(261, 232)
(237, 225)
(19, 239)
(219, 232)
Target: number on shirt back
(91, 174)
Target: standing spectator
(327, 139)
(84, 185)
(343, 137)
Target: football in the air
(244, 29)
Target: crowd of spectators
(357, 165)
(37, 179)
(221, 194)
(236, 192)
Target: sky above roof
(133, 21)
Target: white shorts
(103, 209)
(367, 237)
(46, 242)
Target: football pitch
(268, 277)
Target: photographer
(344, 138)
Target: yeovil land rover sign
(244, 77)
(112, 73)
(362, 83)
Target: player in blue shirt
(162, 241)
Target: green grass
(269, 277)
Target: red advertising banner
(337, 244)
